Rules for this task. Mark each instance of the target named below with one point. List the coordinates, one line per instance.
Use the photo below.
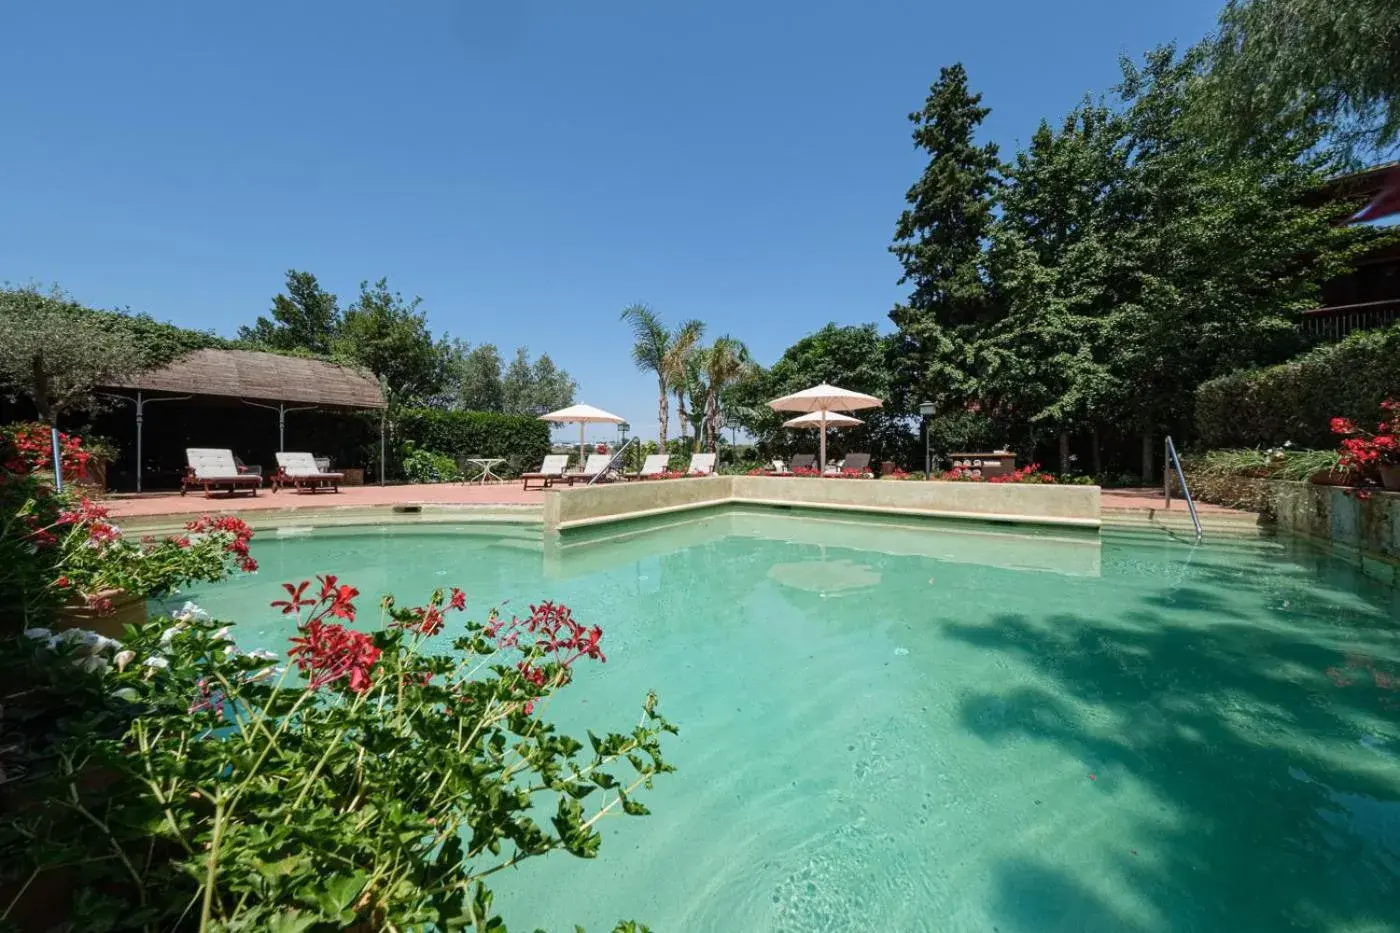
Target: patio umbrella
(823, 400)
(822, 420)
(584, 415)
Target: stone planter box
(354, 476)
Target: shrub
(521, 440)
(1296, 401)
(428, 466)
(369, 784)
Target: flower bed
(1030, 474)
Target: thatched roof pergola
(267, 377)
(264, 380)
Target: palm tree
(723, 363)
(655, 349)
(681, 365)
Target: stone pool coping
(1006, 503)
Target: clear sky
(528, 168)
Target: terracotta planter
(126, 610)
(1337, 478)
(1390, 476)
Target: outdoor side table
(485, 463)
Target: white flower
(157, 662)
(167, 636)
(262, 654)
(124, 658)
(230, 651)
(38, 634)
(265, 673)
(223, 635)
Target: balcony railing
(1336, 322)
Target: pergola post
(281, 409)
(383, 416)
(140, 402)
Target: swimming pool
(894, 726)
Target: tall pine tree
(940, 241)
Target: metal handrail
(613, 462)
(1172, 460)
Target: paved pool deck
(172, 504)
(159, 504)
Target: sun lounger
(702, 464)
(856, 463)
(213, 468)
(552, 469)
(300, 470)
(596, 466)
(653, 468)
(803, 462)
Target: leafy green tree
(852, 357)
(940, 237)
(1335, 61)
(307, 318)
(518, 384)
(1045, 365)
(389, 336)
(56, 352)
(1223, 248)
(474, 377)
(551, 387)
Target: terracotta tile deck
(1150, 499)
(131, 505)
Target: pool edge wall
(1026, 504)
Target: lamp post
(927, 409)
(623, 428)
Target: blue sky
(527, 168)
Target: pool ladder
(1172, 462)
(615, 458)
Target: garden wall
(1001, 502)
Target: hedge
(521, 440)
(1295, 401)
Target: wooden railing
(1336, 322)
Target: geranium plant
(370, 784)
(56, 547)
(1362, 449)
(99, 560)
(1030, 474)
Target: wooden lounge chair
(300, 470)
(653, 468)
(550, 470)
(597, 465)
(702, 464)
(803, 462)
(212, 468)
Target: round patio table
(485, 464)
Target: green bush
(428, 466)
(521, 440)
(1295, 401)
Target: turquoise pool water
(886, 727)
